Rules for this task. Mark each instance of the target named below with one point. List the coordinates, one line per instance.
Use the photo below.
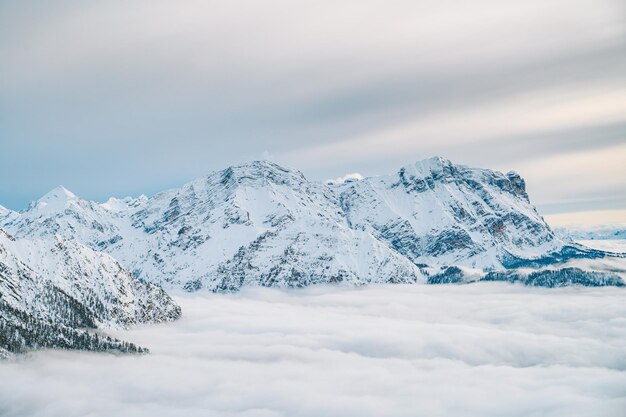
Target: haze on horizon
(116, 98)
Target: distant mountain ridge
(263, 224)
(602, 232)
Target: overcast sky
(123, 98)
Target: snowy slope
(62, 212)
(57, 287)
(110, 296)
(435, 212)
(262, 224)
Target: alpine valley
(68, 265)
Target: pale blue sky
(118, 98)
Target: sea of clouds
(488, 349)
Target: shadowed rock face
(517, 183)
(439, 213)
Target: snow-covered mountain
(51, 289)
(262, 224)
(602, 232)
(256, 223)
(435, 212)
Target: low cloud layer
(112, 98)
(479, 350)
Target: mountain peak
(260, 166)
(55, 199)
(259, 171)
(438, 160)
(426, 167)
(435, 162)
(59, 192)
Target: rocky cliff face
(438, 213)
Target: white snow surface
(485, 350)
(262, 224)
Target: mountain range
(260, 224)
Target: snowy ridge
(7, 215)
(52, 287)
(602, 232)
(112, 296)
(435, 212)
(263, 224)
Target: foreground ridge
(53, 291)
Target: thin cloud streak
(544, 111)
